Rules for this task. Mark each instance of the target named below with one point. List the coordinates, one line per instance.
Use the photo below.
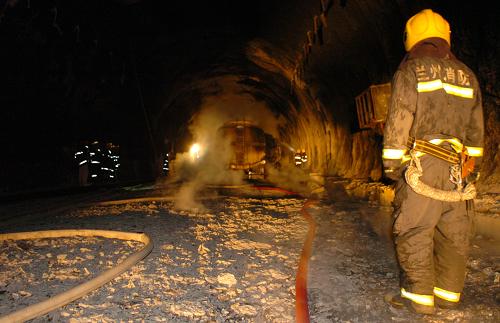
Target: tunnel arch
(100, 54)
(265, 73)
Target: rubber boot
(442, 303)
(399, 302)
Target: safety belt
(434, 150)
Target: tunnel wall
(334, 149)
(324, 131)
(361, 48)
(357, 34)
(136, 74)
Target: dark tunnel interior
(154, 76)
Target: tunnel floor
(234, 260)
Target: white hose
(137, 200)
(146, 199)
(76, 292)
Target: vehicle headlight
(194, 151)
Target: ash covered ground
(235, 260)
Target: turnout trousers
(431, 238)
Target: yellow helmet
(425, 24)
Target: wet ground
(235, 260)
(354, 266)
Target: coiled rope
(412, 177)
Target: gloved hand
(392, 169)
(473, 176)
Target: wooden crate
(372, 105)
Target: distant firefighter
(82, 158)
(433, 134)
(300, 158)
(97, 163)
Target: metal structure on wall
(372, 105)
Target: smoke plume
(230, 102)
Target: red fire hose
(301, 301)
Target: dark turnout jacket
(434, 95)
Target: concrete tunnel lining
(170, 50)
(269, 81)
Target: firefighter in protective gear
(436, 114)
(82, 158)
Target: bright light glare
(195, 151)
